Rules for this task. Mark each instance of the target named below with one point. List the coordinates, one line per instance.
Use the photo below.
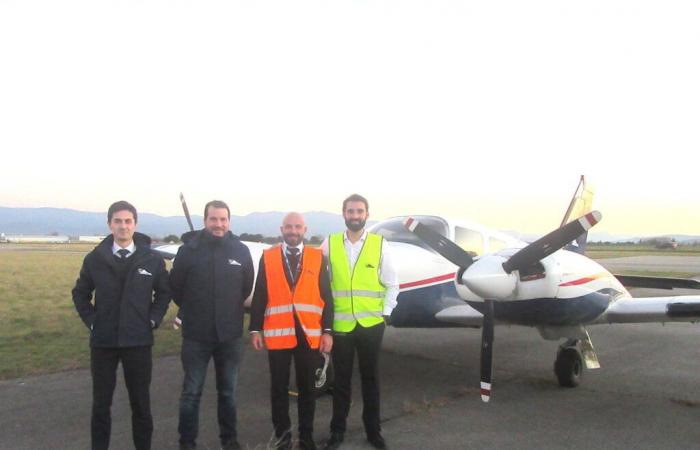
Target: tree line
(314, 240)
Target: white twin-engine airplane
(465, 275)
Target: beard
(293, 239)
(355, 224)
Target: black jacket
(210, 280)
(126, 299)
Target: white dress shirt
(387, 272)
(285, 247)
(131, 247)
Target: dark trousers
(367, 342)
(305, 362)
(195, 357)
(137, 364)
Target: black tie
(293, 259)
(123, 253)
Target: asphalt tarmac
(646, 396)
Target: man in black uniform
(131, 290)
(212, 276)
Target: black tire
(323, 384)
(569, 367)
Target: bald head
(293, 228)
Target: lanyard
(297, 269)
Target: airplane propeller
(445, 247)
(525, 257)
(551, 242)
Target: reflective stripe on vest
(282, 304)
(289, 308)
(358, 293)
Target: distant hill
(42, 221)
(615, 238)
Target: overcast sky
(483, 110)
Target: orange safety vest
(305, 301)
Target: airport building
(34, 239)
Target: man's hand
(177, 323)
(387, 319)
(326, 343)
(257, 340)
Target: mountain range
(70, 222)
(44, 221)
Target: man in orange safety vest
(292, 315)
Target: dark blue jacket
(210, 280)
(124, 304)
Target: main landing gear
(568, 366)
(573, 355)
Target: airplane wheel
(569, 367)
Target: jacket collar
(142, 242)
(196, 238)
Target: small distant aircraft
(462, 274)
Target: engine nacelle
(487, 278)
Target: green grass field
(597, 251)
(40, 331)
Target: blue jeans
(195, 357)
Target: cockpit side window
(470, 240)
(496, 244)
(394, 231)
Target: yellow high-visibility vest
(358, 294)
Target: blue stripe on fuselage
(417, 308)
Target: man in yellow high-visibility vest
(365, 286)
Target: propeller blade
(445, 247)
(187, 211)
(487, 351)
(551, 242)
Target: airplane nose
(487, 278)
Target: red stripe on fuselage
(583, 280)
(445, 277)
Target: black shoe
(188, 446)
(376, 440)
(231, 445)
(307, 443)
(283, 442)
(334, 441)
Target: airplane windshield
(394, 231)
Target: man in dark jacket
(212, 276)
(132, 293)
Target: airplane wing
(684, 308)
(167, 251)
(657, 282)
